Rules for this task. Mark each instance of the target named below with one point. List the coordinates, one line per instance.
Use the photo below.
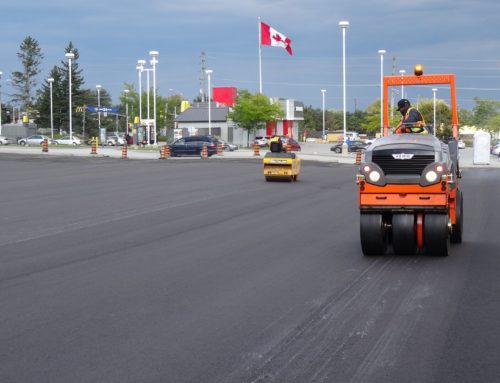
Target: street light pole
(209, 72)
(154, 61)
(148, 127)
(434, 90)
(323, 91)
(140, 68)
(126, 109)
(50, 81)
(381, 52)
(99, 111)
(402, 72)
(1, 103)
(70, 56)
(343, 25)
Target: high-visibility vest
(401, 128)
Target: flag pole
(260, 56)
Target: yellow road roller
(280, 166)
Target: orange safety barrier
(289, 148)
(124, 152)
(45, 146)
(358, 157)
(219, 149)
(162, 153)
(167, 151)
(256, 150)
(93, 147)
(204, 151)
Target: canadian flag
(270, 36)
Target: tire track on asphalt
(329, 330)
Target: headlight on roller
(374, 176)
(372, 173)
(431, 176)
(432, 173)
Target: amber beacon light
(419, 70)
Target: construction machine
(409, 184)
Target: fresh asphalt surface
(200, 271)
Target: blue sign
(102, 109)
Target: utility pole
(202, 76)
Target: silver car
(68, 141)
(114, 140)
(4, 140)
(35, 139)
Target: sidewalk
(310, 152)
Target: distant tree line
(34, 100)
(485, 115)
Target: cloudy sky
(459, 36)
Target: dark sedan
(191, 146)
(352, 146)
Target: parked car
(262, 141)
(192, 145)
(311, 139)
(228, 146)
(461, 144)
(369, 141)
(4, 140)
(290, 140)
(67, 140)
(35, 139)
(352, 146)
(495, 150)
(114, 140)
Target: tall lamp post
(98, 87)
(126, 109)
(343, 25)
(51, 81)
(140, 68)
(434, 90)
(381, 52)
(70, 56)
(323, 91)
(154, 61)
(402, 73)
(209, 72)
(0, 103)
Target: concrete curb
(466, 158)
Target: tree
(43, 101)
(313, 120)
(493, 124)
(443, 112)
(25, 81)
(465, 117)
(252, 111)
(484, 110)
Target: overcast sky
(461, 37)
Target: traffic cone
(358, 157)
(93, 147)
(256, 150)
(204, 151)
